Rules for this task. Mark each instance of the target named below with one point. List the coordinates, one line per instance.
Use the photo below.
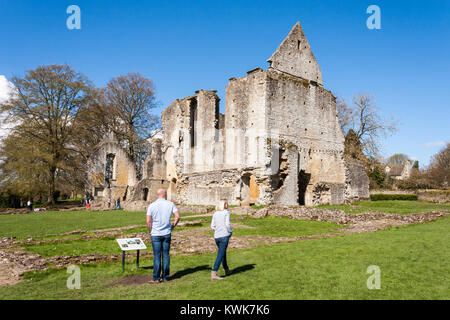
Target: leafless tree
(365, 119)
(45, 104)
(130, 99)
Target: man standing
(159, 214)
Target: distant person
(30, 205)
(221, 225)
(159, 214)
(88, 204)
(117, 207)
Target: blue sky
(184, 46)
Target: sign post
(131, 245)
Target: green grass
(53, 222)
(283, 227)
(76, 247)
(414, 262)
(398, 207)
(274, 227)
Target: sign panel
(131, 244)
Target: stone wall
(437, 196)
(122, 171)
(357, 181)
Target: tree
(345, 116)
(130, 99)
(439, 169)
(364, 118)
(398, 158)
(46, 104)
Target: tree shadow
(185, 272)
(243, 268)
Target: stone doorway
(303, 181)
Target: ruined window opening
(299, 43)
(193, 121)
(145, 194)
(282, 168)
(109, 169)
(217, 122)
(303, 181)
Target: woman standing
(222, 233)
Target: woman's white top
(221, 224)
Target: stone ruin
(279, 142)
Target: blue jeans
(161, 246)
(222, 244)
(117, 206)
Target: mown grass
(283, 227)
(274, 227)
(387, 206)
(414, 262)
(54, 222)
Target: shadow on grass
(241, 269)
(185, 272)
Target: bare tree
(45, 104)
(398, 158)
(130, 99)
(364, 118)
(439, 168)
(345, 116)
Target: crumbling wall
(239, 187)
(356, 181)
(304, 114)
(122, 171)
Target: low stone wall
(393, 192)
(340, 217)
(99, 205)
(436, 196)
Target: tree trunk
(51, 187)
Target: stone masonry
(279, 141)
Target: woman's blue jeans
(222, 244)
(161, 246)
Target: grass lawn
(274, 227)
(53, 222)
(414, 262)
(389, 206)
(283, 227)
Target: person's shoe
(214, 276)
(228, 272)
(154, 281)
(166, 279)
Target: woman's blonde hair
(221, 205)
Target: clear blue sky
(189, 45)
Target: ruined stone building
(279, 142)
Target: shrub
(407, 197)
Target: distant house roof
(395, 170)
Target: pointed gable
(294, 56)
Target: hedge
(380, 197)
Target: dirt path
(15, 261)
